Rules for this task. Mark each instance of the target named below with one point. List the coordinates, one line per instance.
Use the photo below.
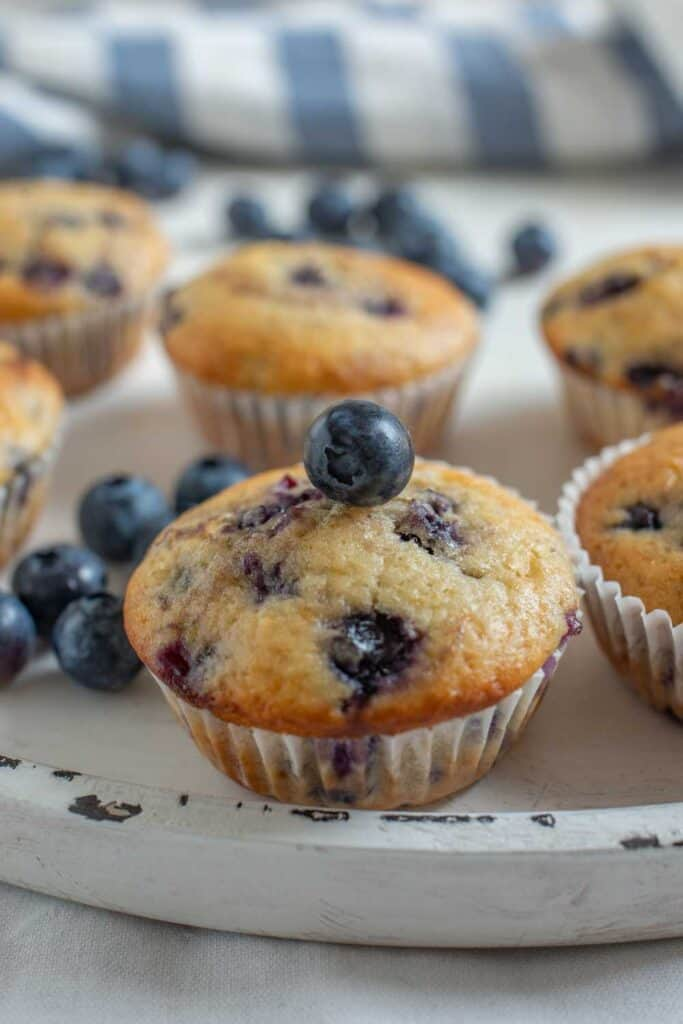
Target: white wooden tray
(575, 837)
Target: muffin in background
(79, 264)
(365, 657)
(30, 407)
(615, 332)
(622, 517)
(268, 337)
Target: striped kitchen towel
(378, 82)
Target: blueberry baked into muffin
(30, 408)
(269, 336)
(629, 526)
(616, 331)
(78, 263)
(364, 655)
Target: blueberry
(641, 517)
(206, 477)
(475, 283)
(358, 453)
(424, 523)
(370, 650)
(17, 637)
(533, 247)
(387, 306)
(330, 210)
(146, 535)
(45, 273)
(73, 164)
(178, 168)
(247, 218)
(266, 581)
(423, 240)
(393, 210)
(139, 167)
(610, 287)
(103, 281)
(116, 510)
(47, 580)
(308, 276)
(91, 644)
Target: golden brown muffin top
(287, 318)
(30, 406)
(66, 247)
(277, 608)
(630, 521)
(620, 321)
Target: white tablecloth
(61, 962)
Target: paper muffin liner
(645, 647)
(266, 431)
(84, 349)
(22, 497)
(374, 772)
(605, 415)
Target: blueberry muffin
(623, 517)
(30, 408)
(616, 332)
(78, 264)
(270, 335)
(323, 653)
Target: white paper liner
(22, 497)
(604, 415)
(86, 348)
(645, 647)
(376, 772)
(266, 431)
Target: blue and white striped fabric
(440, 83)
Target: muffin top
(277, 608)
(621, 322)
(65, 247)
(630, 521)
(30, 405)
(282, 318)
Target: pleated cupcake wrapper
(84, 349)
(267, 431)
(377, 772)
(604, 415)
(645, 647)
(21, 499)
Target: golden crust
(247, 324)
(489, 611)
(639, 323)
(647, 563)
(30, 407)
(80, 227)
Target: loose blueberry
(45, 273)
(68, 164)
(178, 169)
(610, 287)
(115, 511)
(533, 247)
(358, 453)
(49, 579)
(393, 210)
(139, 167)
(17, 637)
(204, 478)
(424, 524)
(330, 210)
(641, 517)
(103, 281)
(91, 644)
(146, 535)
(476, 284)
(424, 240)
(371, 650)
(247, 218)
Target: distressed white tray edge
(568, 877)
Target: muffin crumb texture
(30, 406)
(630, 521)
(273, 607)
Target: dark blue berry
(91, 644)
(103, 281)
(247, 218)
(429, 522)
(651, 374)
(49, 579)
(330, 210)
(610, 287)
(178, 169)
(146, 535)
(641, 517)
(142, 167)
(115, 511)
(423, 240)
(394, 210)
(533, 247)
(387, 306)
(358, 453)
(73, 164)
(308, 275)
(44, 273)
(206, 477)
(475, 283)
(266, 581)
(17, 637)
(370, 651)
